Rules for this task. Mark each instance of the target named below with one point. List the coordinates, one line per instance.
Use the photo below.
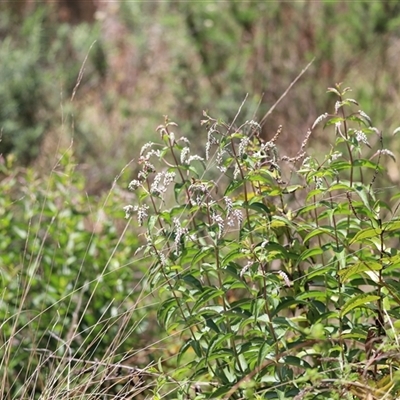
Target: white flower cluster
(161, 182)
(234, 216)
(187, 159)
(335, 156)
(179, 233)
(217, 219)
(361, 137)
(244, 142)
(319, 119)
(133, 185)
(220, 160)
(210, 141)
(246, 268)
(140, 210)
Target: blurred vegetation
(179, 58)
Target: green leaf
(233, 255)
(312, 294)
(318, 272)
(365, 234)
(363, 193)
(166, 311)
(357, 301)
(210, 323)
(262, 176)
(325, 230)
(201, 254)
(232, 187)
(264, 349)
(292, 189)
(207, 295)
(361, 162)
(393, 225)
(333, 121)
(219, 393)
(341, 165)
(339, 186)
(192, 281)
(259, 207)
(297, 362)
(358, 268)
(178, 189)
(310, 253)
(314, 192)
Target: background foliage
(179, 58)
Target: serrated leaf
(357, 301)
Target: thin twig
(269, 112)
(81, 71)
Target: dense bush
(68, 287)
(279, 274)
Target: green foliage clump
(68, 291)
(280, 275)
(40, 60)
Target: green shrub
(273, 276)
(68, 289)
(278, 274)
